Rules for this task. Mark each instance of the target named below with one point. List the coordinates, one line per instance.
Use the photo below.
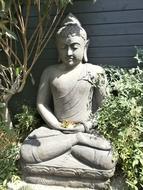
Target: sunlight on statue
(70, 85)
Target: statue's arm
(43, 102)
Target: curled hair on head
(71, 27)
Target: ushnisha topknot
(71, 27)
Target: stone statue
(66, 141)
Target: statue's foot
(93, 141)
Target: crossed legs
(87, 148)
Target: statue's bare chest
(64, 84)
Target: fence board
(105, 5)
(103, 18)
(114, 29)
(112, 41)
(127, 62)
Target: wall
(114, 28)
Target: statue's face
(71, 50)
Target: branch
(21, 43)
(45, 41)
(35, 31)
(33, 46)
(49, 30)
(19, 16)
(5, 79)
(40, 23)
(39, 34)
(3, 44)
(27, 14)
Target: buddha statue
(70, 86)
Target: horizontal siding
(114, 28)
(111, 17)
(87, 6)
(105, 5)
(113, 41)
(118, 61)
(110, 29)
(103, 18)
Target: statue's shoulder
(49, 73)
(50, 70)
(94, 69)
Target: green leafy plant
(9, 154)
(120, 120)
(26, 121)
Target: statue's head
(72, 42)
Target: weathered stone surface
(65, 152)
(60, 173)
(117, 183)
(67, 177)
(43, 187)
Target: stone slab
(118, 183)
(28, 186)
(67, 177)
(60, 174)
(43, 187)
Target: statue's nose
(69, 51)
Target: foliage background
(120, 120)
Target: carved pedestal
(68, 172)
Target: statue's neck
(69, 68)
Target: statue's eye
(74, 47)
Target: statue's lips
(71, 59)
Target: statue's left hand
(74, 128)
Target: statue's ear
(85, 59)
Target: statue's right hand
(74, 128)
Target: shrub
(120, 120)
(26, 121)
(9, 154)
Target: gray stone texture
(64, 152)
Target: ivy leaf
(141, 161)
(135, 162)
(139, 128)
(140, 145)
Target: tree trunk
(4, 114)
